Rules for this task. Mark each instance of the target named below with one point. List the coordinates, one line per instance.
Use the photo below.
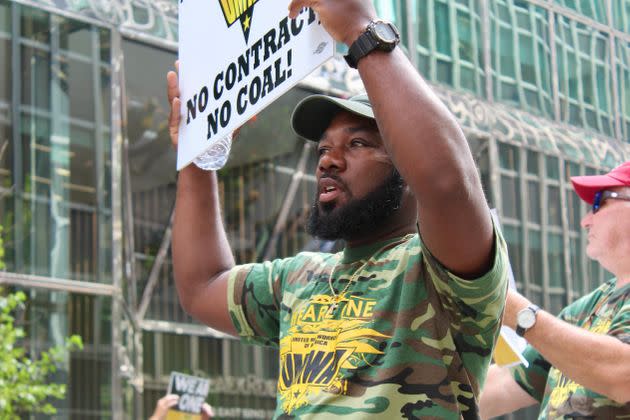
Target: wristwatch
(525, 319)
(378, 35)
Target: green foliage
(23, 381)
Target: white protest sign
(192, 391)
(235, 58)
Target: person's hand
(163, 405)
(344, 20)
(172, 90)
(206, 411)
(174, 119)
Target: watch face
(526, 318)
(385, 33)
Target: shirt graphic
(320, 342)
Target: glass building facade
(87, 178)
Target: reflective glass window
(5, 17)
(555, 260)
(535, 257)
(6, 132)
(449, 48)
(49, 317)
(521, 55)
(5, 78)
(621, 14)
(75, 36)
(623, 76)
(61, 224)
(584, 76)
(77, 83)
(175, 353)
(576, 255)
(36, 78)
(594, 9)
(35, 25)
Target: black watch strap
(364, 44)
(520, 331)
(373, 39)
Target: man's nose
(586, 220)
(332, 158)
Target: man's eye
(358, 142)
(321, 151)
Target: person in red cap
(579, 362)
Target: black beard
(359, 216)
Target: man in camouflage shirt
(402, 322)
(579, 363)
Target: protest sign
(235, 58)
(192, 392)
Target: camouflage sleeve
(533, 379)
(475, 306)
(620, 325)
(254, 296)
(476, 303)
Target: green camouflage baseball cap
(313, 114)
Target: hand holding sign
(343, 20)
(205, 161)
(261, 54)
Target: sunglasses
(604, 195)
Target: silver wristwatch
(525, 319)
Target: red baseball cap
(587, 186)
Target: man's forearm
(200, 247)
(429, 149)
(596, 361)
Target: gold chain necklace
(337, 297)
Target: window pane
(554, 209)
(6, 157)
(176, 353)
(510, 193)
(533, 201)
(442, 21)
(35, 134)
(35, 24)
(75, 36)
(35, 78)
(535, 257)
(577, 277)
(508, 156)
(211, 356)
(555, 260)
(81, 179)
(7, 216)
(78, 84)
(5, 17)
(584, 76)
(514, 241)
(521, 55)
(5, 77)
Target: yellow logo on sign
(241, 10)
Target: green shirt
(408, 338)
(605, 311)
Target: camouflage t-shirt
(408, 339)
(604, 311)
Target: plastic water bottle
(215, 157)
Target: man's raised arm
(201, 252)
(425, 142)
